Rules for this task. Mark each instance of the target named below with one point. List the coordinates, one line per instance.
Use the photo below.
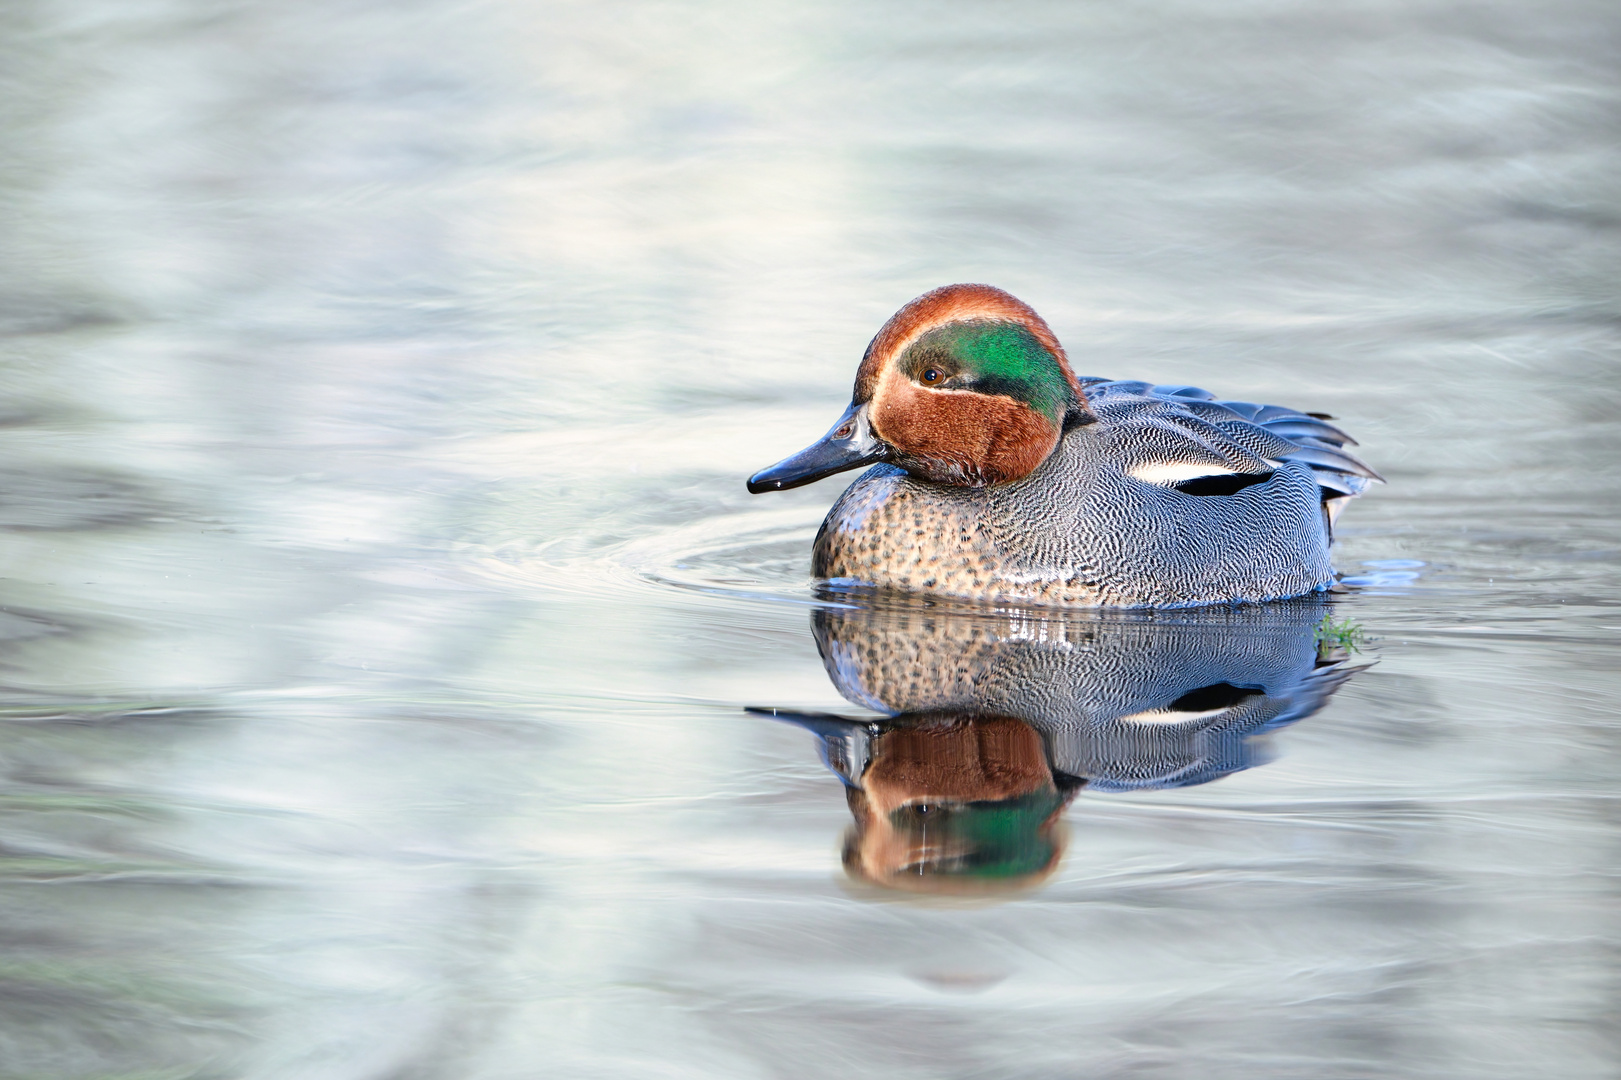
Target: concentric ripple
(759, 555)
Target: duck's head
(965, 385)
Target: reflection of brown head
(954, 804)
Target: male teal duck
(1000, 476)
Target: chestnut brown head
(965, 385)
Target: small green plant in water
(1343, 634)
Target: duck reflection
(994, 720)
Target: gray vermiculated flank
(1081, 530)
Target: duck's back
(1169, 498)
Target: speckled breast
(892, 531)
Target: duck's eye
(933, 375)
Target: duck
(996, 475)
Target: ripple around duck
(1385, 577)
(761, 555)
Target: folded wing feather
(1177, 433)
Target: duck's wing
(1170, 433)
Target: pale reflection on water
(381, 602)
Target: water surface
(382, 605)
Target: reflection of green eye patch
(999, 839)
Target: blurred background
(379, 598)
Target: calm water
(382, 605)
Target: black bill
(849, 444)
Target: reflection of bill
(996, 718)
